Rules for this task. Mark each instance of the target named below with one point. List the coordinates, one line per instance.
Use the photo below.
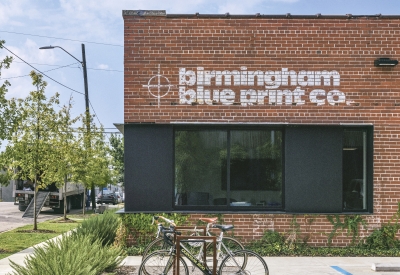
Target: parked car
(107, 196)
(119, 197)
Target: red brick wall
(164, 44)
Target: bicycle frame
(192, 258)
(218, 241)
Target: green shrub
(81, 255)
(383, 238)
(141, 228)
(272, 243)
(135, 250)
(101, 227)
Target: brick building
(265, 119)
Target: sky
(27, 25)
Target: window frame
(228, 129)
(279, 127)
(369, 154)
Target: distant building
(262, 117)
(6, 192)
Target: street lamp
(83, 63)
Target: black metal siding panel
(148, 167)
(313, 165)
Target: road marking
(341, 270)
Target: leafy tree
(4, 178)
(7, 116)
(65, 143)
(117, 154)
(93, 169)
(7, 107)
(30, 153)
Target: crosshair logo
(158, 86)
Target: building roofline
(163, 13)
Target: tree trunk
(35, 188)
(84, 202)
(93, 196)
(65, 198)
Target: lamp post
(83, 63)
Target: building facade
(265, 119)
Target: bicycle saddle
(223, 227)
(208, 220)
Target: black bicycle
(163, 262)
(224, 244)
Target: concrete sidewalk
(19, 258)
(318, 265)
(279, 265)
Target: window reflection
(198, 167)
(354, 170)
(232, 168)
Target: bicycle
(224, 244)
(164, 261)
(158, 243)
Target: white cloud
(102, 66)
(10, 9)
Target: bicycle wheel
(162, 262)
(230, 244)
(233, 264)
(157, 244)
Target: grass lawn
(23, 237)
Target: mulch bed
(64, 221)
(36, 231)
(124, 270)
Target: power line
(52, 79)
(11, 77)
(45, 71)
(94, 112)
(74, 67)
(20, 33)
(42, 72)
(105, 70)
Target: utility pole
(87, 113)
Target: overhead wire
(42, 72)
(11, 77)
(96, 69)
(66, 39)
(52, 79)
(98, 43)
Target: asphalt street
(11, 217)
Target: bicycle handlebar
(171, 222)
(168, 239)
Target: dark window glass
(255, 168)
(354, 170)
(198, 157)
(231, 168)
(241, 168)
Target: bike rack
(205, 239)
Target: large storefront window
(250, 168)
(229, 168)
(354, 170)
